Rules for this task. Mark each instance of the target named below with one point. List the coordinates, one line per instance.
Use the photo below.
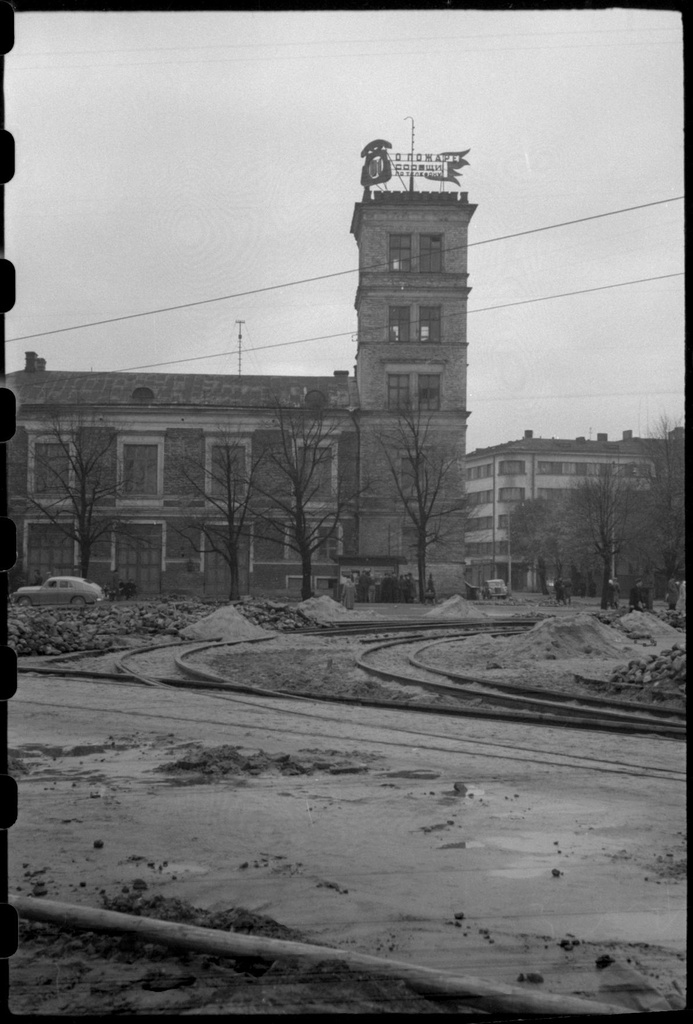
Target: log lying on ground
(488, 996)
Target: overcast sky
(169, 158)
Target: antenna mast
(411, 164)
(240, 344)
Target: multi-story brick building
(533, 467)
(412, 354)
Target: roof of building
(558, 445)
(45, 387)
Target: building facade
(504, 475)
(160, 433)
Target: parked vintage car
(496, 588)
(60, 590)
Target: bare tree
(307, 490)
(226, 489)
(664, 500)
(606, 509)
(75, 481)
(426, 479)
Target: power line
(343, 334)
(339, 273)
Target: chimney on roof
(30, 365)
(602, 437)
(579, 438)
(40, 365)
(627, 435)
(341, 373)
(529, 434)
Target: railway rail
(469, 697)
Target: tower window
(430, 254)
(400, 252)
(429, 323)
(400, 323)
(429, 391)
(398, 391)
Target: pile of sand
(457, 607)
(223, 624)
(569, 636)
(322, 609)
(643, 624)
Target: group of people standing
(389, 588)
(563, 591)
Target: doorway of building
(138, 557)
(217, 575)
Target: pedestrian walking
(672, 594)
(558, 590)
(617, 593)
(567, 592)
(610, 594)
(681, 603)
(371, 588)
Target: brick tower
(411, 303)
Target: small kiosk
(379, 567)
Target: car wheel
(25, 601)
(78, 600)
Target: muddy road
(483, 848)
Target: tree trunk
(541, 573)
(606, 576)
(422, 572)
(306, 570)
(234, 573)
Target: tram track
(469, 697)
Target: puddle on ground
(466, 844)
(527, 871)
(184, 869)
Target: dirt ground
(482, 848)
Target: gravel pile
(45, 631)
(63, 630)
(665, 671)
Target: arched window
(143, 395)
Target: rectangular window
(321, 479)
(512, 467)
(478, 472)
(400, 252)
(140, 464)
(503, 522)
(477, 547)
(501, 547)
(429, 324)
(398, 391)
(480, 497)
(400, 323)
(51, 468)
(269, 543)
(407, 476)
(480, 523)
(429, 391)
(550, 493)
(227, 471)
(550, 468)
(430, 254)
(581, 468)
(511, 494)
(329, 546)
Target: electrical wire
(339, 273)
